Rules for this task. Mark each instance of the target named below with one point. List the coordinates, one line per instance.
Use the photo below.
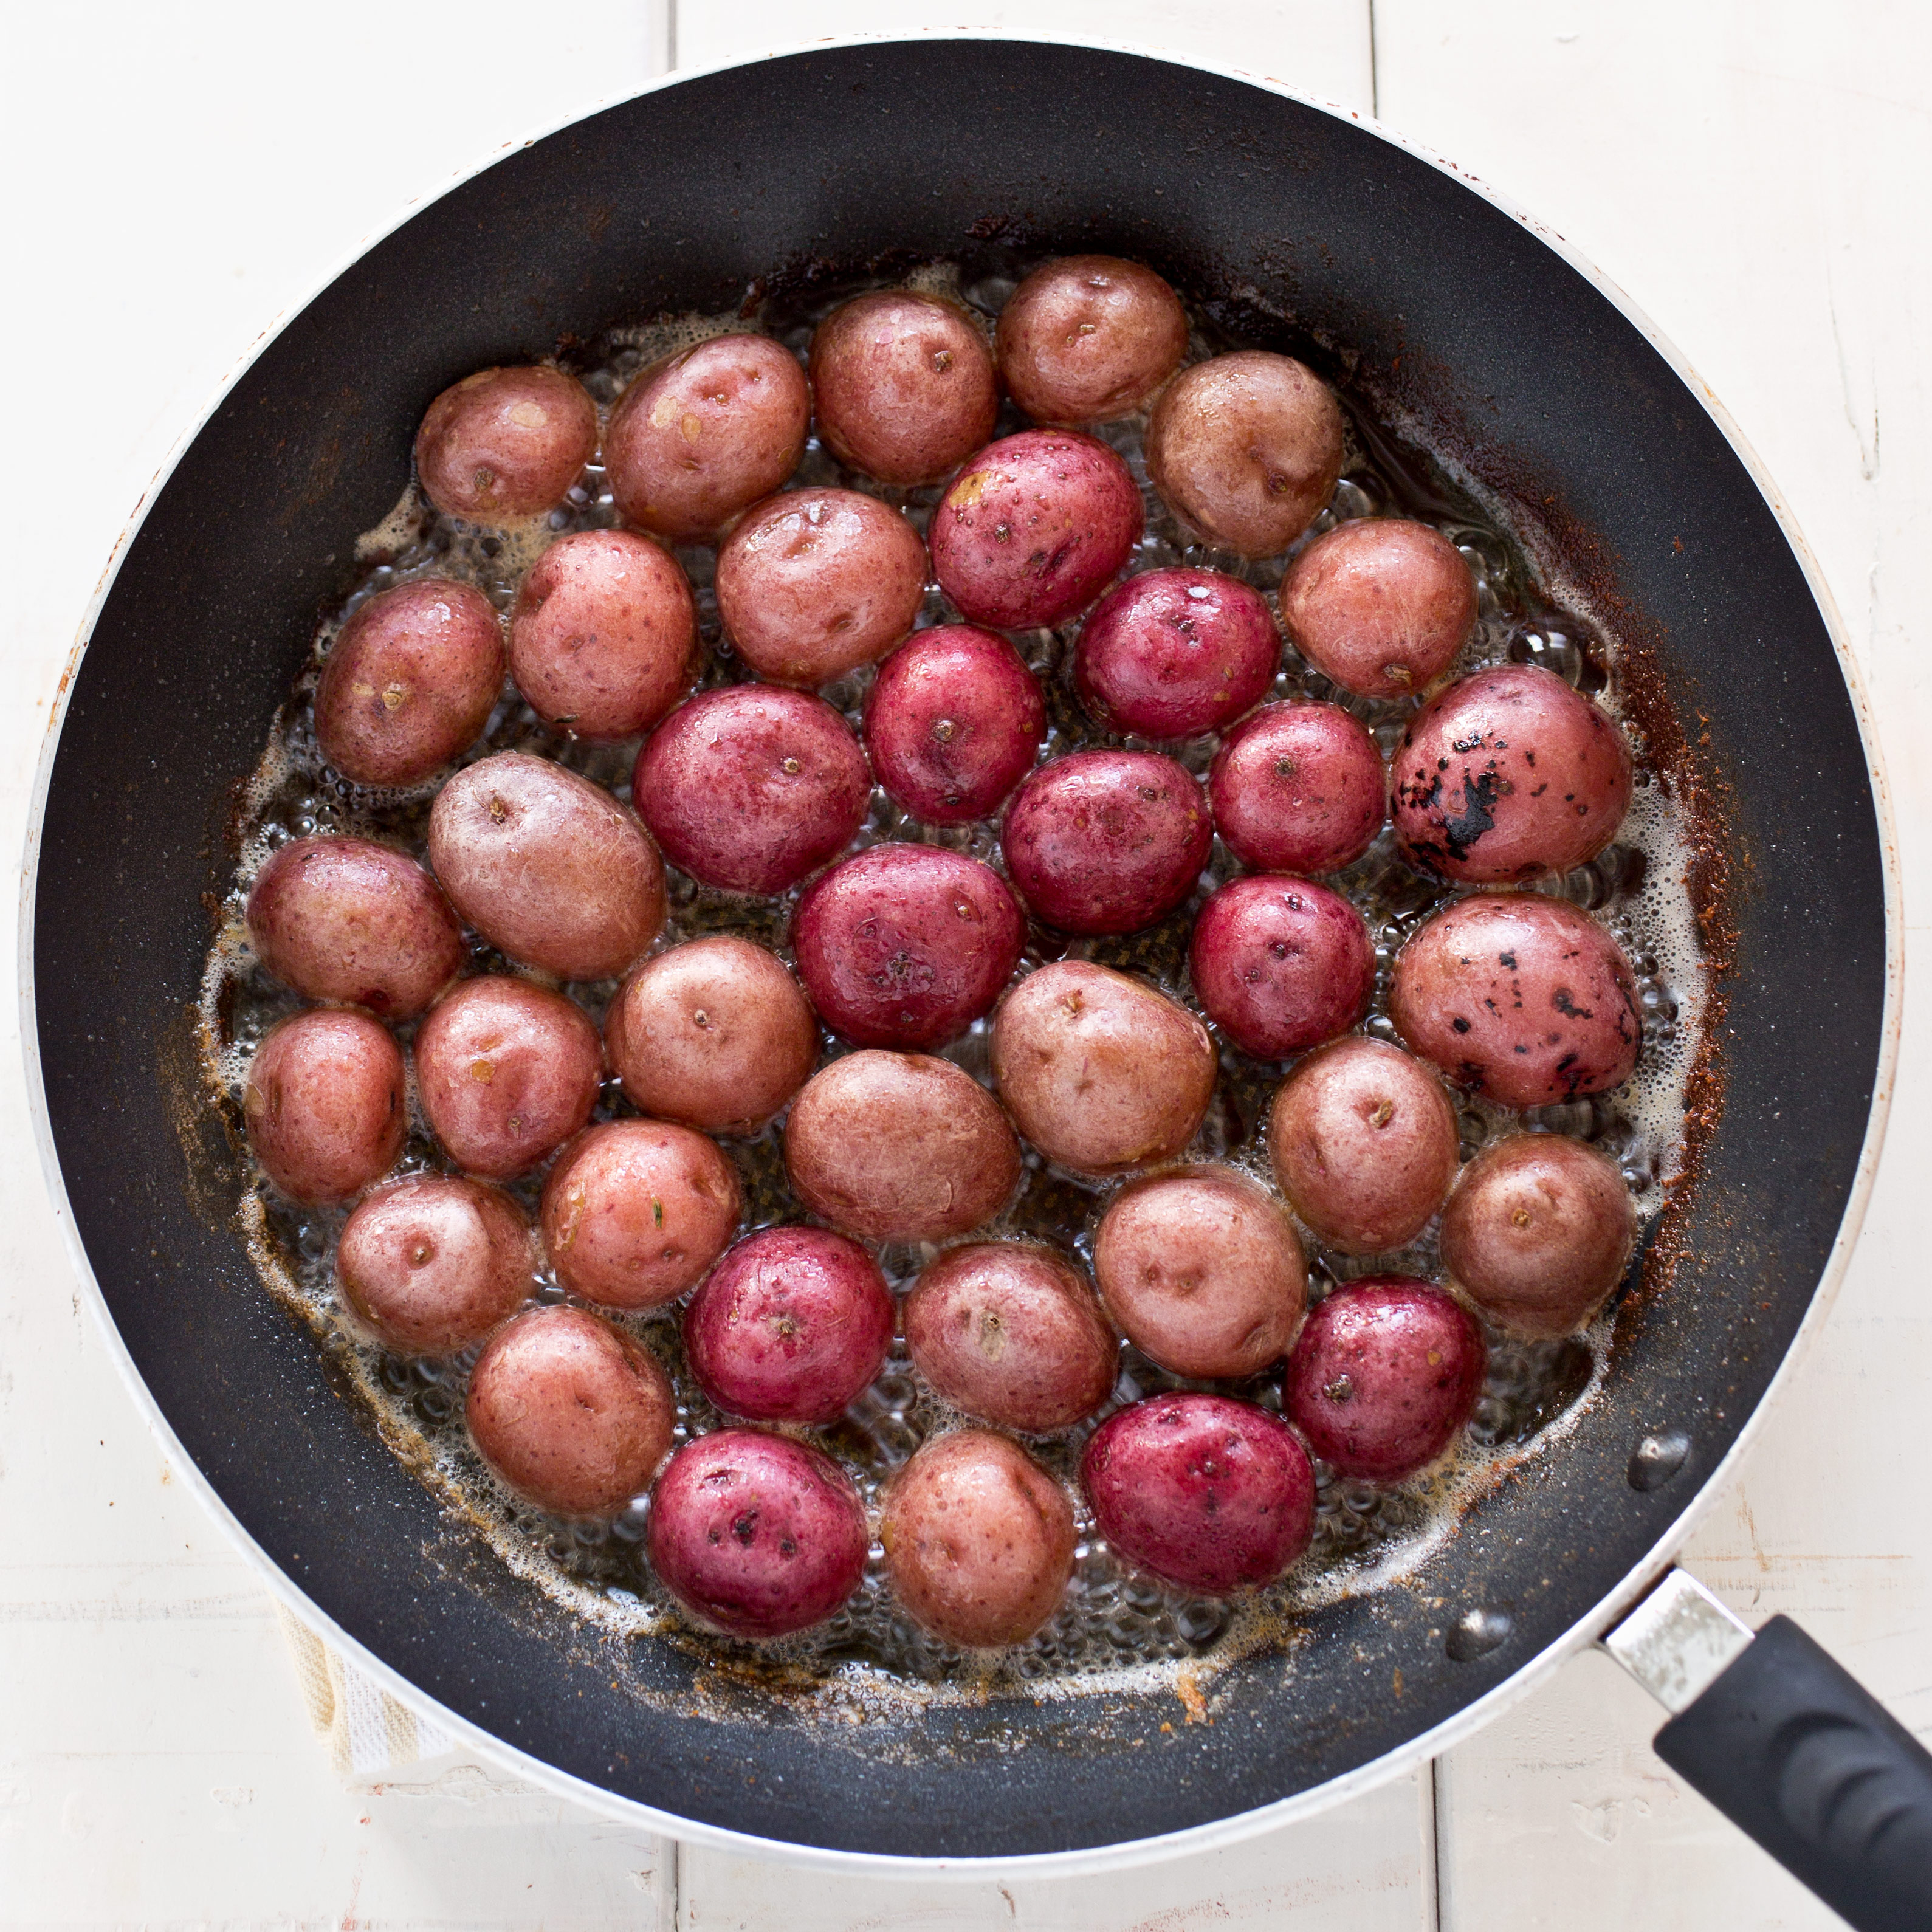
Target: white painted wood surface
(1754, 175)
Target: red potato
(1213, 1494)
(325, 1104)
(906, 946)
(1107, 841)
(603, 634)
(1280, 965)
(1519, 997)
(506, 443)
(1297, 788)
(1387, 1371)
(345, 919)
(814, 583)
(752, 788)
(755, 1535)
(1089, 338)
(410, 681)
(704, 433)
(1034, 528)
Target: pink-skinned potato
(505, 444)
(1089, 338)
(1297, 788)
(325, 1103)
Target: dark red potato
(1089, 338)
(1297, 788)
(1012, 1334)
(546, 866)
(1280, 965)
(506, 1072)
(506, 443)
(604, 635)
(1107, 841)
(1034, 528)
(790, 1326)
(978, 1539)
(570, 1413)
(1380, 605)
(345, 919)
(410, 681)
(1246, 450)
(326, 1105)
(433, 1263)
(713, 1034)
(755, 1535)
(952, 722)
(1519, 997)
(814, 583)
(1214, 1495)
(903, 385)
(1538, 1231)
(1387, 1371)
(635, 1212)
(1506, 774)
(751, 787)
(699, 436)
(906, 945)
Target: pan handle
(1791, 1749)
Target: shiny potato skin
(1280, 965)
(347, 919)
(1246, 450)
(1089, 338)
(1214, 1495)
(900, 1146)
(505, 444)
(978, 1539)
(1538, 1231)
(1519, 997)
(704, 434)
(1101, 1073)
(1297, 788)
(570, 1412)
(713, 1034)
(410, 681)
(325, 1104)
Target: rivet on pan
(1476, 1633)
(1657, 1459)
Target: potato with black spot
(324, 1103)
(505, 444)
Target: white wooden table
(1753, 173)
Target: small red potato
(1364, 1145)
(903, 385)
(978, 1539)
(713, 1034)
(1379, 605)
(952, 722)
(906, 945)
(326, 1105)
(506, 443)
(1246, 450)
(1519, 997)
(1107, 841)
(898, 1146)
(1012, 1334)
(570, 1413)
(755, 1535)
(603, 634)
(704, 433)
(1506, 774)
(1297, 788)
(1279, 965)
(1089, 338)
(751, 787)
(432, 1264)
(1387, 1371)
(506, 1072)
(1034, 528)
(814, 583)
(790, 1326)
(1101, 1072)
(345, 919)
(1538, 1231)
(546, 866)
(410, 681)
(635, 1212)
(1213, 1494)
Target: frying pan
(1416, 291)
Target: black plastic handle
(1797, 1753)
